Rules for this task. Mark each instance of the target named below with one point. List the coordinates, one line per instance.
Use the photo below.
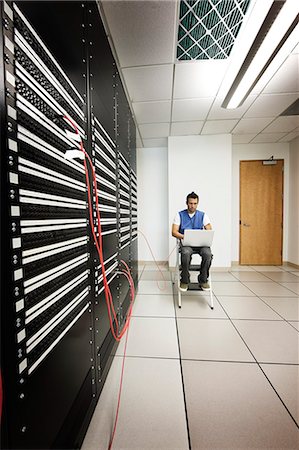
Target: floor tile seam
(241, 337)
(281, 281)
(203, 318)
(232, 318)
(231, 273)
(259, 365)
(156, 281)
(261, 320)
(259, 271)
(260, 282)
(154, 295)
(293, 292)
(279, 363)
(253, 356)
(147, 293)
(278, 296)
(241, 281)
(272, 320)
(250, 297)
(235, 295)
(269, 306)
(290, 267)
(229, 361)
(271, 279)
(154, 317)
(166, 358)
(267, 320)
(296, 329)
(181, 368)
(232, 361)
(286, 320)
(280, 398)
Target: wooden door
(261, 212)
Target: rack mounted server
(56, 344)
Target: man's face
(192, 205)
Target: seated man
(191, 218)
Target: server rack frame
(65, 438)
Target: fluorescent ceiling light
(270, 34)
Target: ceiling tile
(149, 83)
(290, 136)
(219, 126)
(296, 49)
(154, 130)
(242, 138)
(286, 78)
(217, 112)
(150, 143)
(191, 109)
(270, 104)
(248, 126)
(267, 137)
(150, 112)
(283, 124)
(144, 34)
(143, 31)
(199, 78)
(186, 128)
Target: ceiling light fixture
(269, 35)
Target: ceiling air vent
(208, 28)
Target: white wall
(152, 203)
(293, 254)
(250, 152)
(203, 164)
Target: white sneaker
(205, 286)
(183, 287)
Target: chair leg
(178, 274)
(179, 292)
(211, 296)
(179, 297)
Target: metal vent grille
(208, 28)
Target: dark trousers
(206, 261)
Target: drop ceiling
(171, 97)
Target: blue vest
(189, 223)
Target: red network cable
(99, 245)
(126, 272)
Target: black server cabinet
(56, 343)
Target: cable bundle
(117, 334)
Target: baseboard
(213, 269)
(285, 263)
(288, 263)
(151, 262)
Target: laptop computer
(198, 238)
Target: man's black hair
(192, 195)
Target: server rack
(56, 345)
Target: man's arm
(208, 226)
(175, 232)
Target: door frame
(282, 204)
